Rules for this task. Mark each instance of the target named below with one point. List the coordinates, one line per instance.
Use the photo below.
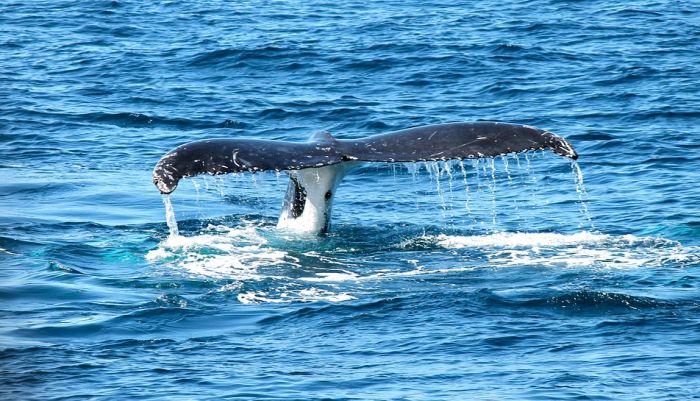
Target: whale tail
(316, 167)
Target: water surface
(498, 279)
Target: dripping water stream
(582, 194)
(170, 217)
(485, 181)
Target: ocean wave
(231, 56)
(589, 301)
(143, 120)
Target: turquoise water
(512, 278)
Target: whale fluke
(317, 166)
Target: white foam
(304, 295)
(333, 277)
(259, 272)
(380, 275)
(507, 239)
(573, 250)
(3, 250)
(219, 252)
(243, 255)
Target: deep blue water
(505, 280)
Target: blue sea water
(502, 278)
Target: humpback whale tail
(316, 167)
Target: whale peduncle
(308, 202)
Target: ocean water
(520, 277)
